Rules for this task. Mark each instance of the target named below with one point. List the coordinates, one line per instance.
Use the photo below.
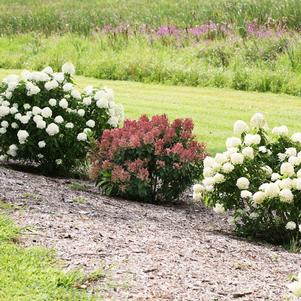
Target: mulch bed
(148, 252)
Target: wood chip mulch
(148, 252)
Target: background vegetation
(251, 45)
(83, 17)
(265, 64)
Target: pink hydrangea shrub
(148, 159)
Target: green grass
(213, 110)
(85, 16)
(272, 64)
(30, 274)
(265, 59)
(78, 186)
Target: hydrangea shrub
(44, 119)
(149, 159)
(259, 178)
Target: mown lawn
(213, 110)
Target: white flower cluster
(231, 174)
(295, 286)
(38, 109)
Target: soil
(148, 252)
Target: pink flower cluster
(127, 30)
(265, 31)
(148, 144)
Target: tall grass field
(82, 16)
(251, 45)
(252, 64)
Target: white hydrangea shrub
(258, 178)
(45, 119)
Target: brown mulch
(149, 252)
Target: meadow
(253, 65)
(85, 17)
(254, 47)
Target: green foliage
(78, 186)
(8, 230)
(263, 58)
(252, 64)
